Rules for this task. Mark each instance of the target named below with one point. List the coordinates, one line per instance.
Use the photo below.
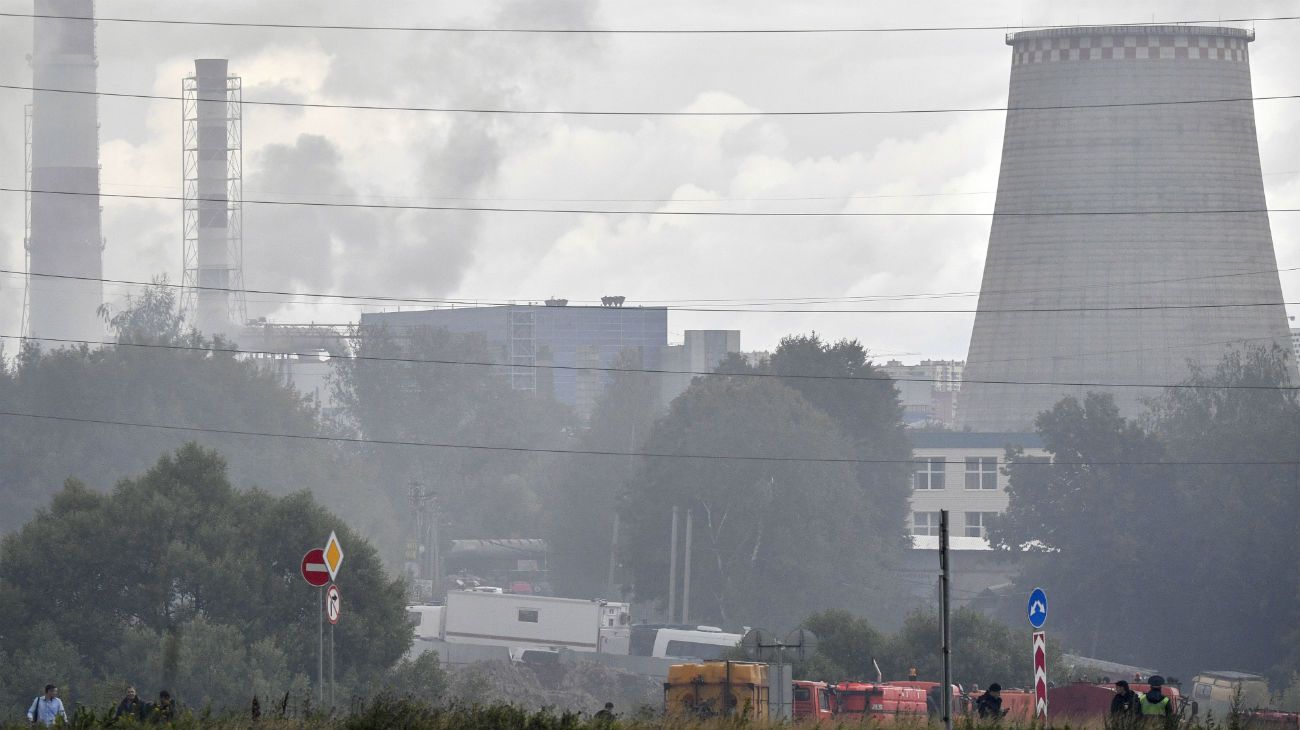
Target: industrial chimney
(1130, 235)
(213, 249)
(65, 242)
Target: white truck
(525, 622)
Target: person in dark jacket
(1154, 705)
(164, 711)
(605, 716)
(989, 704)
(1125, 702)
(130, 706)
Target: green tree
(983, 651)
(1174, 527)
(1238, 529)
(585, 495)
(846, 647)
(1084, 523)
(393, 392)
(774, 540)
(162, 372)
(198, 577)
(865, 405)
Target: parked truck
(525, 622)
(717, 689)
(879, 703)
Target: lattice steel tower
(212, 160)
(1146, 242)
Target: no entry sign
(314, 570)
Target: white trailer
(525, 622)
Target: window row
(981, 472)
(927, 524)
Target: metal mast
(212, 170)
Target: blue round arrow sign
(1037, 608)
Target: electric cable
(663, 113)
(624, 31)
(681, 213)
(883, 378)
(598, 452)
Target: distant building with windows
(581, 340)
(928, 390)
(701, 351)
(962, 472)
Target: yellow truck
(717, 689)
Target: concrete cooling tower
(1129, 238)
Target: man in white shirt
(46, 708)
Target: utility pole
(686, 570)
(672, 570)
(429, 561)
(320, 646)
(613, 555)
(945, 576)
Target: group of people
(47, 708)
(1126, 704)
(1150, 704)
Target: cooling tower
(1130, 237)
(65, 239)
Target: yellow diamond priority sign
(333, 556)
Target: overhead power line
(652, 371)
(593, 452)
(682, 213)
(1027, 310)
(673, 303)
(663, 113)
(620, 31)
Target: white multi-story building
(962, 472)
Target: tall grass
(390, 713)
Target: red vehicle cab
(813, 702)
(883, 703)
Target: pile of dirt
(581, 687)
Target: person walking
(989, 704)
(46, 708)
(1154, 704)
(130, 706)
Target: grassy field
(390, 714)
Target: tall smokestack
(66, 241)
(1116, 293)
(213, 245)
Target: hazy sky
(935, 162)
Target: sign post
(319, 567)
(945, 617)
(1040, 675)
(1036, 610)
(333, 608)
